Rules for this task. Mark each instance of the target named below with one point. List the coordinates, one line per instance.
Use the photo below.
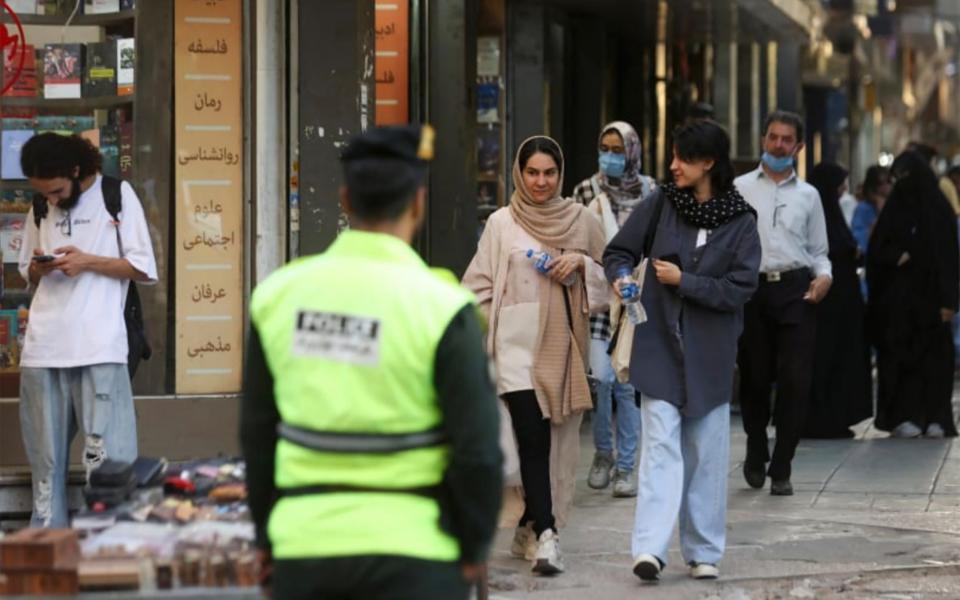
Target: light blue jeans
(628, 415)
(53, 404)
(683, 473)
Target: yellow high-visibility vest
(350, 337)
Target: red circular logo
(11, 47)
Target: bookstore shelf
(103, 20)
(67, 103)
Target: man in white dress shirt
(777, 344)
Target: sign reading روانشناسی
(209, 195)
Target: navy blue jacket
(686, 351)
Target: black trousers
(533, 446)
(777, 345)
(367, 578)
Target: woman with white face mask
(612, 193)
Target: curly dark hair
(51, 155)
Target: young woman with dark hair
(539, 339)
(701, 238)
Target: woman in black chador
(842, 388)
(912, 275)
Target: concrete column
(789, 85)
(725, 89)
(451, 80)
(526, 72)
(336, 42)
(270, 141)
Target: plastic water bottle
(630, 296)
(541, 262)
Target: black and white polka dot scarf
(711, 214)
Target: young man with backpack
(80, 255)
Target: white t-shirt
(78, 321)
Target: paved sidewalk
(871, 517)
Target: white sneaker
(907, 429)
(524, 542)
(547, 560)
(704, 571)
(934, 430)
(647, 567)
(625, 484)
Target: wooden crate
(47, 583)
(39, 550)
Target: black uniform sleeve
(468, 401)
(258, 435)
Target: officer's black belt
(428, 491)
(359, 443)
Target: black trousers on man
(367, 578)
(777, 345)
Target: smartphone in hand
(44, 258)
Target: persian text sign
(209, 184)
(392, 63)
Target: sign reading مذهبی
(12, 49)
(208, 169)
(392, 62)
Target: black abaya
(915, 354)
(841, 394)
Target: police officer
(369, 421)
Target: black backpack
(139, 347)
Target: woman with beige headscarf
(539, 337)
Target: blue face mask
(777, 164)
(613, 164)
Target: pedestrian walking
(369, 421)
(912, 272)
(780, 323)
(81, 259)
(537, 311)
(701, 237)
(611, 194)
(875, 189)
(842, 390)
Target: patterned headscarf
(627, 191)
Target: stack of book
(73, 70)
(65, 7)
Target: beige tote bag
(620, 356)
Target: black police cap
(409, 143)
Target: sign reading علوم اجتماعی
(208, 167)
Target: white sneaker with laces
(907, 429)
(547, 560)
(524, 542)
(934, 431)
(647, 567)
(704, 571)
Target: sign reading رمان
(209, 187)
